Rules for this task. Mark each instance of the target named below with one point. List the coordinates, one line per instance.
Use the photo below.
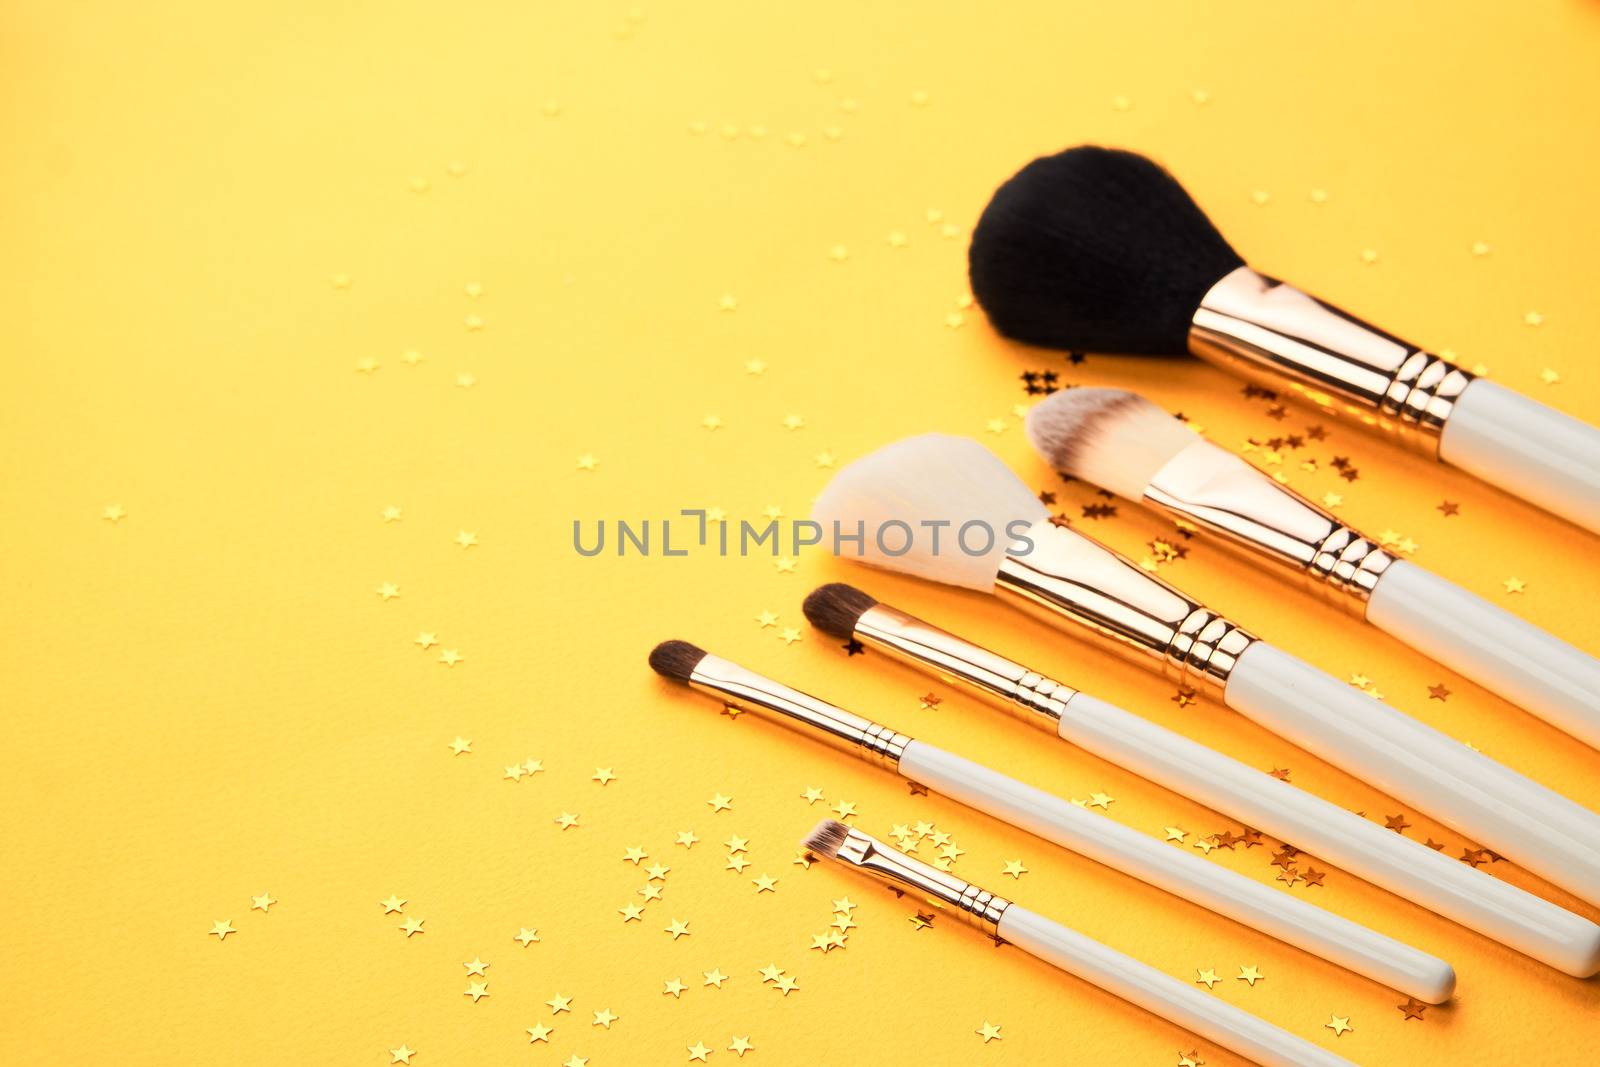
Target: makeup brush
(1104, 840)
(1064, 576)
(1124, 443)
(1408, 868)
(1101, 250)
(1100, 965)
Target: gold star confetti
(532, 766)
(411, 357)
(1100, 800)
(812, 794)
(650, 892)
(559, 1004)
(740, 1045)
(388, 590)
(366, 365)
(988, 1032)
(566, 820)
(677, 929)
(844, 809)
(221, 928)
(587, 462)
(674, 988)
(1175, 834)
(341, 281)
(393, 904)
(1514, 585)
(755, 366)
(476, 990)
(402, 1054)
(765, 884)
(450, 656)
(412, 926)
(465, 381)
(113, 512)
(426, 640)
(802, 859)
(728, 302)
(605, 1018)
(794, 422)
(1549, 376)
(262, 903)
(719, 802)
(1412, 1008)
(687, 838)
(657, 872)
(1249, 975)
(576, 1060)
(714, 977)
(712, 422)
(476, 967)
(1207, 978)
(788, 984)
(789, 636)
(698, 1051)
(514, 772)
(633, 855)
(539, 1032)
(1339, 1026)
(466, 538)
(602, 775)
(736, 863)
(1015, 869)
(526, 935)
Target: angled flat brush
(1183, 874)
(1100, 965)
(1408, 868)
(1064, 576)
(1122, 442)
(1102, 250)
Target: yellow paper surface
(206, 700)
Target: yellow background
(206, 700)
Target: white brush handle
(1487, 802)
(1182, 873)
(1526, 448)
(1160, 994)
(1410, 869)
(1491, 646)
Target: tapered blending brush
(1100, 965)
(1064, 576)
(1102, 250)
(1181, 873)
(1342, 838)
(1124, 443)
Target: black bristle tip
(676, 660)
(1095, 249)
(828, 837)
(835, 607)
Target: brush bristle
(834, 608)
(918, 481)
(827, 838)
(676, 660)
(1111, 437)
(1096, 249)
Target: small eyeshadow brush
(1097, 837)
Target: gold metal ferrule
(1069, 576)
(1222, 494)
(1260, 328)
(973, 905)
(755, 692)
(962, 663)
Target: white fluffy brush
(1072, 577)
(1123, 442)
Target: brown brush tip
(827, 838)
(676, 660)
(834, 608)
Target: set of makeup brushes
(1102, 250)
